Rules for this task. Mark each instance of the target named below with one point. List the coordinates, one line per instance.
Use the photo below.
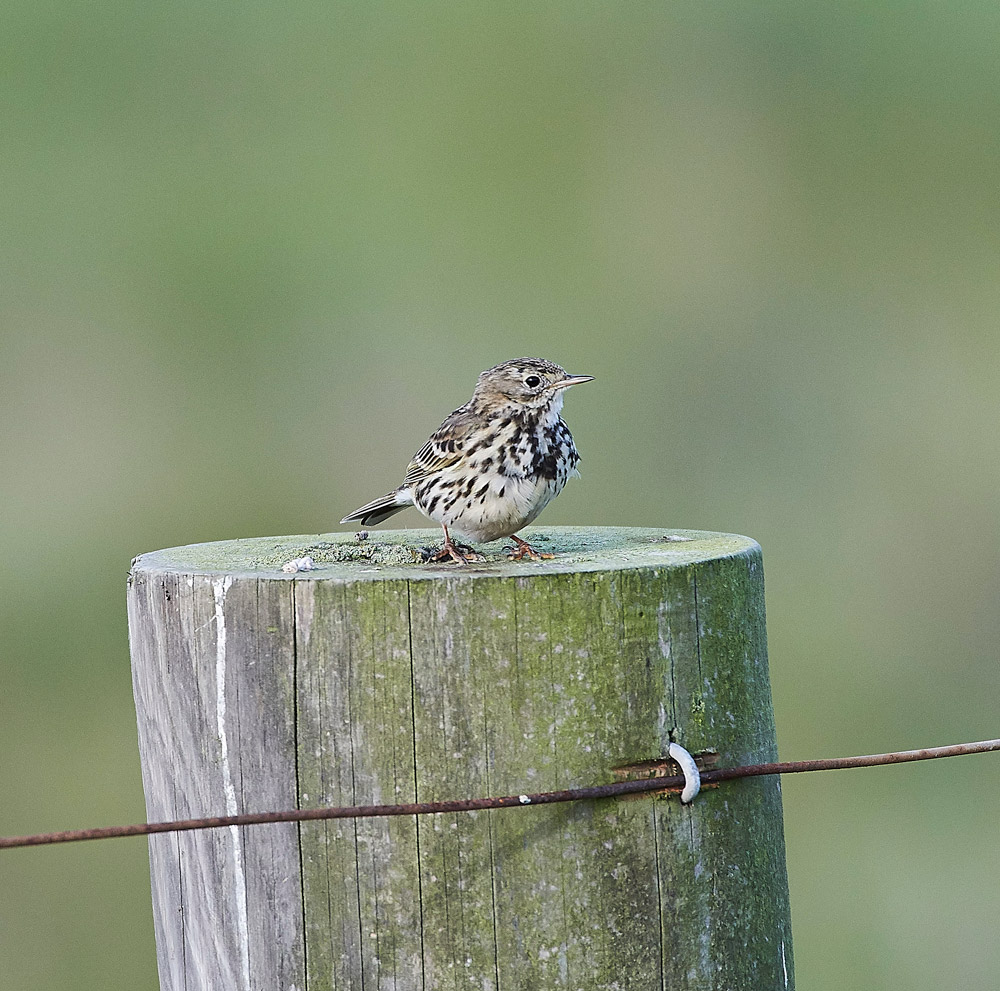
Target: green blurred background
(251, 254)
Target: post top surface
(396, 554)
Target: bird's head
(526, 383)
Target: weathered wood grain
(375, 680)
(213, 674)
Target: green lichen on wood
(356, 748)
(416, 682)
(386, 554)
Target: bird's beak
(571, 380)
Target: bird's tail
(381, 509)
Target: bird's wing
(446, 447)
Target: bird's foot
(451, 551)
(523, 549)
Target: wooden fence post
(378, 679)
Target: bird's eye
(532, 381)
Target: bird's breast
(527, 447)
(508, 474)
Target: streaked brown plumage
(495, 463)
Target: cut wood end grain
(402, 553)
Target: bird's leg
(451, 551)
(525, 550)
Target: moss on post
(377, 679)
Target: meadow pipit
(494, 464)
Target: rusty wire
(618, 788)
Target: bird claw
(522, 549)
(461, 553)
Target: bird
(494, 464)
